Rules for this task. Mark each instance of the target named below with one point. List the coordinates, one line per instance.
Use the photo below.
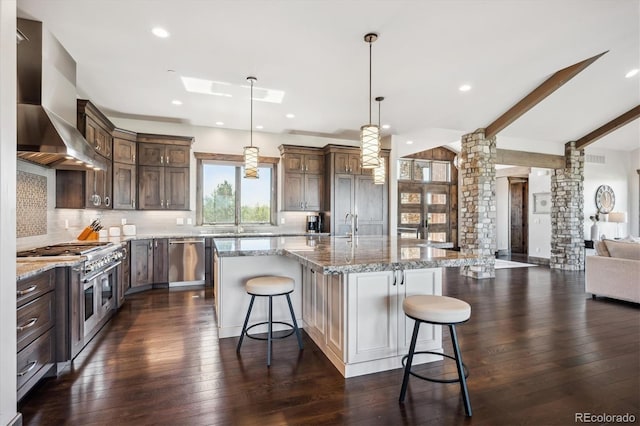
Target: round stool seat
(436, 309)
(269, 285)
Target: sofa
(615, 270)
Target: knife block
(86, 232)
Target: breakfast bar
(348, 292)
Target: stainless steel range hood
(47, 104)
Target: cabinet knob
(107, 201)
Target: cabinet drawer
(34, 318)
(30, 288)
(34, 357)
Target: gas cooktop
(64, 249)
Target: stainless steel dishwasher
(186, 261)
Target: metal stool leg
(463, 381)
(295, 323)
(407, 369)
(246, 321)
(270, 331)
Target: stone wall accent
(31, 204)
(567, 215)
(477, 180)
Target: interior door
(437, 211)
(518, 215)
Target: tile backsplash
(31, 204)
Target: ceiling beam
(529, 159)
(552, 84)
(605, 129)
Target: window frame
(238, 162)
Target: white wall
(502, 214)
(539, 224)
(634, 193)
(8, 211)
(617, 172)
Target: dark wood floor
(538, 348)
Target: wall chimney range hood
(47, 103)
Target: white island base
(356, 319)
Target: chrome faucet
(354, 223)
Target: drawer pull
(28, 368)
(27, 290)
(29, 324)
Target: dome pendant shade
(251, 162)
(369, 146)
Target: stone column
(477, 180)
(567, 215)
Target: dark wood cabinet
(124, 151)
(351, 191)
(303, 178)
(155, 154)
(95, 127)
(99, 188)
(124, 186)
(163, 172)
(125, 173)
(149, 262)
(35, 329)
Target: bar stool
(440, 310)
(270, 286)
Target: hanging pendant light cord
(370, 50)
(251, 116)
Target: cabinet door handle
(402, 277)
(27, 290)
(161, 203)
(395, 277)
(156, 243)
(167, 158)
(28, 368)
(150, 245)
(161, 160)
(107, 201)
(29, 324)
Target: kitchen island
(348, 292)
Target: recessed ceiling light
(409, 142)
(632, 73)
(259, 127)
(160, 32)
(290, 115)
(464, 88)
(386, 126)
(219, 123)
(176, 102)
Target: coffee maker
(314, 224)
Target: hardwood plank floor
(538, 348)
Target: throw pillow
(601, 249)
(623, 250)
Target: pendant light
(379, 172)
(369, 133)
(251, 152)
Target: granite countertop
(27, 267)
(334, 255)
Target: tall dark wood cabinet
(125, 183)
(351, 190)
(163, 172)
(303, 171)
(97, 130)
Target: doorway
(518, 214)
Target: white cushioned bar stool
(270, 286)
(440, 310)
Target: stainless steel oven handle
(97, 274)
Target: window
(424, 170)
(227, 198)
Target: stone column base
(479, 271)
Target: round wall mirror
(605, 199)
